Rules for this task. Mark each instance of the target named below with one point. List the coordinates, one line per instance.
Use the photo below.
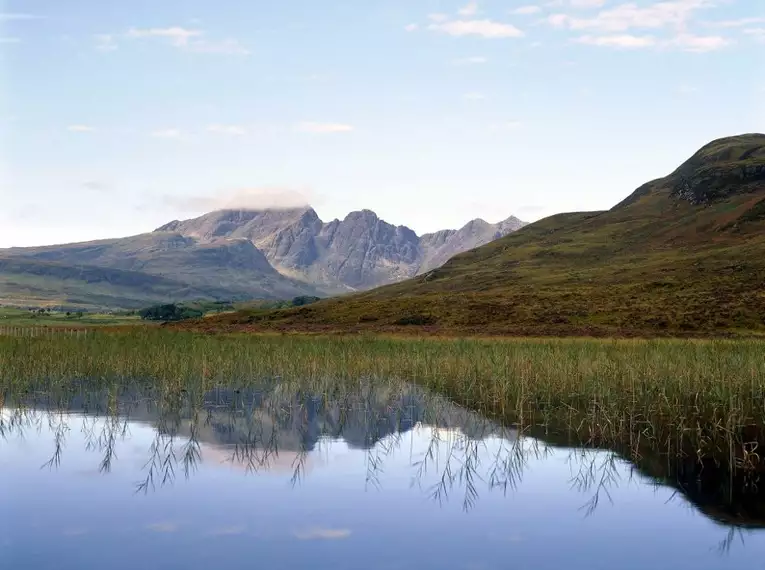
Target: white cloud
(438, 17)
(167, 134)
(699, 44)
(483, 28)
(411, 27)
(470, 9)
(323, 128)
(619, 41)
(232, 130)
(228, 531)
(80, 129)
(685, 42)
(587, 3)
(526, 10)
(322, 534)
(757, 33)
(225, 47)
(10, 16)
(506, 126)
(740, 23)
(178, 36)
(105, 42)
(476, 60)
(630, 16)
(96, 185)
(162, 527)
(244, 199)
(194, 41)
(474, 96)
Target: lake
(277, 475)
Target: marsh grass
(688, 396)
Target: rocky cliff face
(359, 252)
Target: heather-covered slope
(684, 253)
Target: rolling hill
(683, 254)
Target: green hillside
(137, 271)
(684, 253)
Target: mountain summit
(359, 252)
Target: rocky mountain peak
(359, 252)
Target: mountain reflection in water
(294, 430)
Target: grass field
(14, 317)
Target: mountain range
(234, 255)
(684, 253)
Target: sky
(117, 117)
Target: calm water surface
(374, 478)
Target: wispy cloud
(757, 33)
(11, 16)
(438, 17)
(699, 44)
(178, 36)
(10, 40)
(228, 531)
(411, 27)
(323, 128)
(526, 10)
(105, 42)
(167, 134)
(246, 198)
(614, 27)
(74, 532)
(684, 42)
(190, 40)
(474, 96)
(631, 16)
(231, 130)
(80, 129)
(740, 23)
(469, 9)
(95, 186)
(224, 47)
(475, 60)
(162, 527)
(482, 28)
(322, 534)
(686, 89)
(626, 41)
(587, 3)
(506, 126)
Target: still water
(277, 477)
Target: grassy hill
(140, 270)
(684, 254)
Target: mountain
(682, 254)
(359, 252)
(232, 255)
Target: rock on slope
(359, 252)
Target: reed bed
(708, 395)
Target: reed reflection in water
(312, 453)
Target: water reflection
(277, 425)
(447, 454)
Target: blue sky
(116, 117)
